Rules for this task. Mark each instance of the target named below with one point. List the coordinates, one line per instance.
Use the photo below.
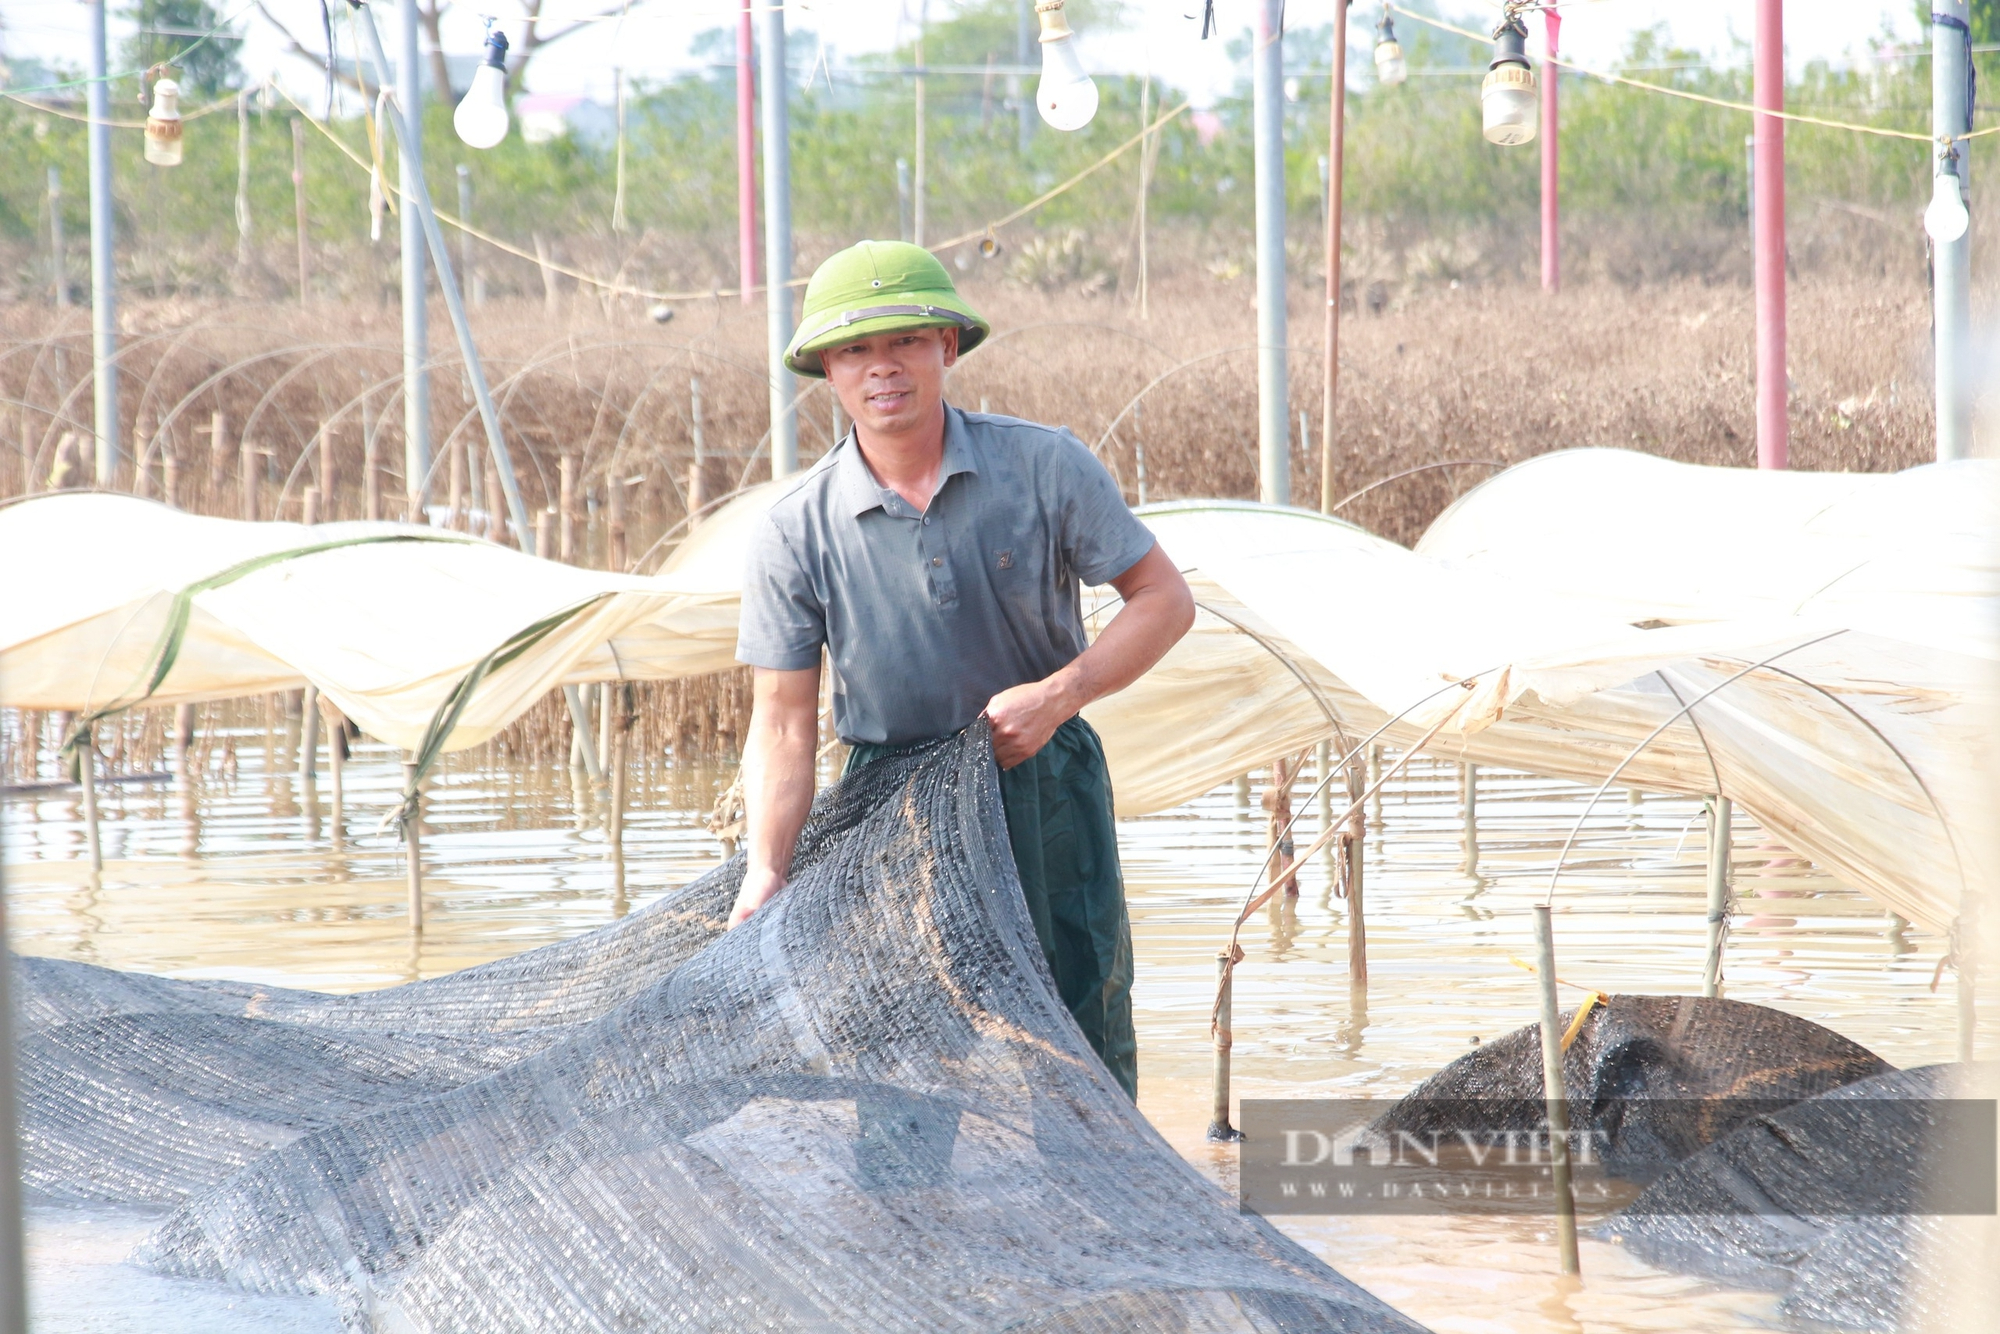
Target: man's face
(892, 383)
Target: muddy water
(255, 880)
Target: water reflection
(254, 872)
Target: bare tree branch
(295, 47)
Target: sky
(651, 39)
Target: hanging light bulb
(163, 125)
(1507, 101)
(481, 118)
(1066, 97)
(1390, 67)
(1946, 219)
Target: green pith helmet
(875, 287)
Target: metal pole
(778, 241)
(1024, 28)
(299, 205)
(917, 203)
(1551, 175)
(58, 258)
(1336, 139)
(746, 156)
(468, 289)
(1719, 811)
(1951, 261)
(902, 199)
(419, 201)
(1553, 1091)
(1219, 1129)
(416, 331)
(1773, 388)
(413, 848)
(103, 271)
(1274, 418)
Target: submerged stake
(1553, 1091)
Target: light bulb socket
(1385, 34)
(1055, 23)
(496, 49)
(1510, 43)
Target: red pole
(1772, 383)
(746, 156)
(1551, 251)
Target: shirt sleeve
(1100, 538)
(783, 624)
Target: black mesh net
(867, 1109)
(1655, 1077)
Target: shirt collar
(860, 492)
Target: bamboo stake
(86, 772)
(142, 476)
(459, 519)
(697, 495)
(1468, 799)
(545, 525)
(371, 470)
(1553, 1091)
(1278, 817)
(1719, 812)
(1357, 831)
(413, 845)
(309, 736)
(326, 474)
(614, 546)
(309, 506)
(497, 526)
(218, 454)
(246, 467)
(1219, 1129)
(336, 763)
(567, 501)
(170, 475)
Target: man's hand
(1024, 717)
(777, 780)
(759, 888)
(1158, 611)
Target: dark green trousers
(1065, 844)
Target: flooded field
(248, 876)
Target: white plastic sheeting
(1552, 620)
(385, 629)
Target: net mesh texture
(866, 1109)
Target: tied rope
(394, 192)
(1685, 94)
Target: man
(935, 554)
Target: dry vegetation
(1430, 372)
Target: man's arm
(777, 780)
(1158, 610)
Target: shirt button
(937, 560)
(927, 521)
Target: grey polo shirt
(928, 615)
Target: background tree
(169, 27)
